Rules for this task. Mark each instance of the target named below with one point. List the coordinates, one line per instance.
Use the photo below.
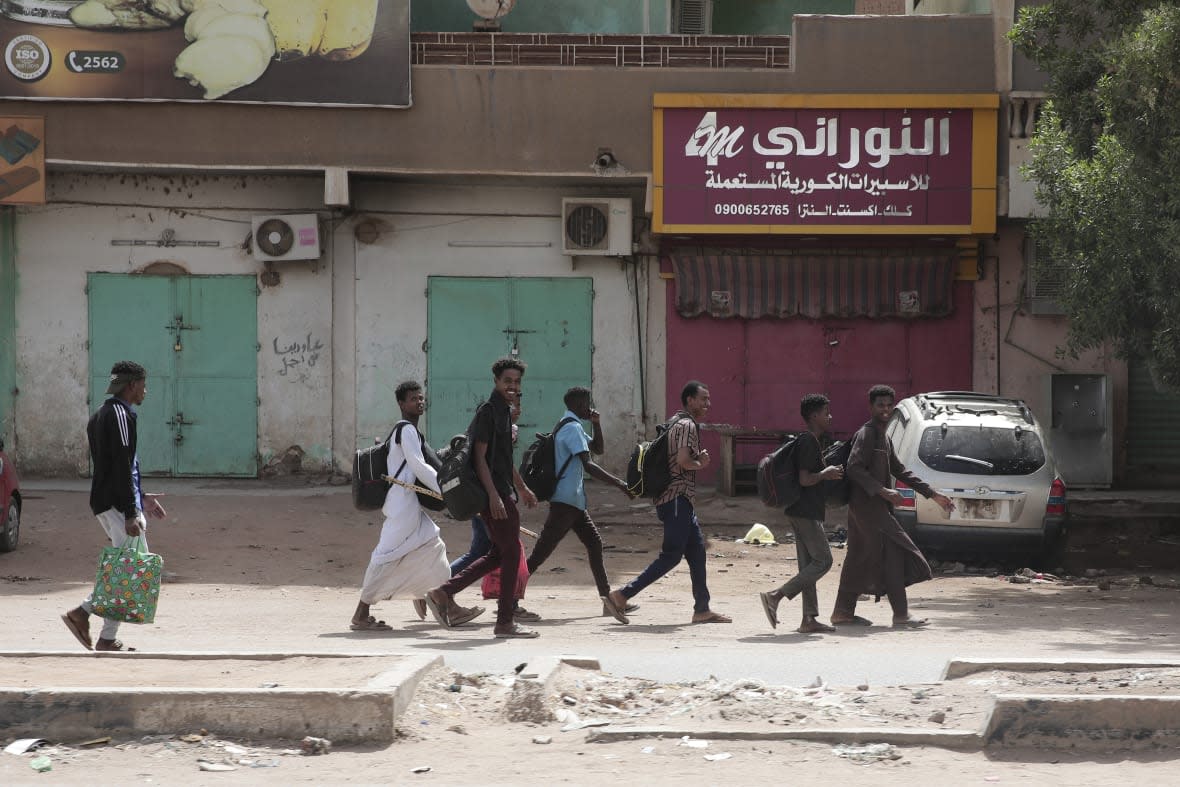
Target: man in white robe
(410, 557)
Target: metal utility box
(1081, 428)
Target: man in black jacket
(116, 497)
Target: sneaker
(520, 613)
(516, 632)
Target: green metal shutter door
(1153, 423)
(468, 322)
(553, 320)
(472, 321)
(129, 318)
(197, 336)
(217, 376)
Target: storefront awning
(839, 283)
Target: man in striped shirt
(682, 532)
(116, 497)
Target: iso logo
(27, 58)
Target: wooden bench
(731, 438)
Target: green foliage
(1106, 158)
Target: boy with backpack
(410, 556)
(682, 532)
(806, 517)
(491, 432)
(567, 502)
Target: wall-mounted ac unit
(596, 226)
(1045, 279)
(283, 238)
(692, 17)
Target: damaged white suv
(988, 455)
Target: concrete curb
(961, 667)
(948, 739)
(350, 715)
(1081, 721)
(527, 702)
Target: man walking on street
(881, 558)
(567, 505)
(116, 496)
(410, 556)
(491, 430)
(682, 531)
(806, 517)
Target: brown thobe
(881, 560)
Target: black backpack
(463, 492)
(648, 471)
(538, 466)
(369, 487)
(837, 492)
(778, 475)
(369, 466)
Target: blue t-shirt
(571, 440)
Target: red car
(10, 503)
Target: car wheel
(1052, 554)
(10, 532)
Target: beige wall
(1016, 356)
(527, 120)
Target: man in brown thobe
(881, 559)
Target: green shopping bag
(127, 586)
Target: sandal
(911, 623)
(372, 624)
(711, 617)
(111, 644)
(627, 610)
(516, 632)
(466, 615)
(81, 631)
(609, 605)
(813, 626)
(438, 612)
(520, 613)
(770, 607)
(855, 620)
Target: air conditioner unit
(596, 227)
(692, 17)
(284, 238)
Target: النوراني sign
(823, 163)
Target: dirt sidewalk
(277, 569)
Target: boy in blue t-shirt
(567, 506)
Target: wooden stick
(437, 496)
(413, 487)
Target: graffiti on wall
(297, 358)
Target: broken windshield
(973, 450)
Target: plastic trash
(313, 745)
(41, 764)
(759, 534)
(873, 752)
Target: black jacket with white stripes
(111, 434)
